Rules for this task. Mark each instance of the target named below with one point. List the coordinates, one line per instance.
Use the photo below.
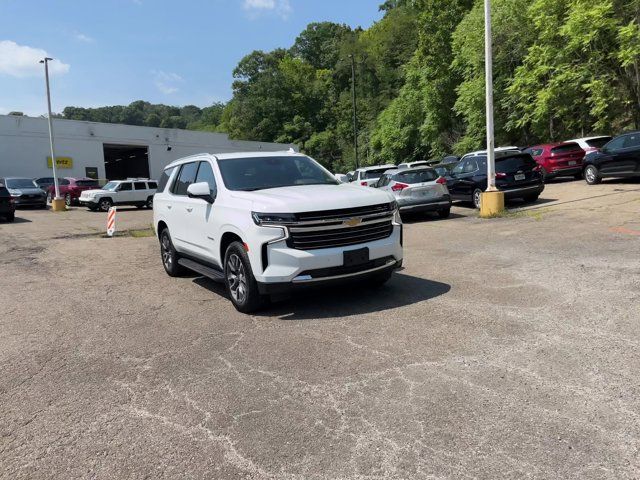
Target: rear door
(140, 191)
(618, 158)
(5, 200)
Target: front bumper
(564, 171)
(432, 205)
(30, 202)
(87, 202)
(280, 264)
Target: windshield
(111, 186)
(20, 183)
(417, 176)
(260, 173)
(371, 174)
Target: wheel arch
(227, 239)
(161, 227)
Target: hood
(94, 190)
(310, 198)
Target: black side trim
(213, 274)
(265, 256)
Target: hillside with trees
(562, 68)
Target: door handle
(189, 209)
(169, 207)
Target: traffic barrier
(111, 221)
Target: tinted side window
(152, 185)
(470, 166)
(125, 187)
(535, 152)
(205, 174)
(164, 178)
(616, 144)
(140, 185)
(632, 140)
(185, 178)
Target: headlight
(265, 219)
(15, 193)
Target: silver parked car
(417, 190)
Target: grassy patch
(142, 233)
(537, 214)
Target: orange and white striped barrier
(111, 221)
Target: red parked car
(70, 188)
(558, 159)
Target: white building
(104, 150)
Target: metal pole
(488, 55)
(53, 155)
(355, 115)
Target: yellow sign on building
(61, 162)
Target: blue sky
(113, 52)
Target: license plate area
(519, 176)
(572, 162)
(357, 257)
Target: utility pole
(57, 203)
(492, 200)
(355, 113)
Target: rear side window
(140, 185)
(598, 142)
(164, 179)
(632, 140)
(125, 187)
(87, 183)
(617, 143)
(369, 174)
(515, 163)
(152, 185)
(565, 148)
(535, 152)
(186, 177)
(418, 176)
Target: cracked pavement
(505, 349)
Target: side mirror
(200, 190)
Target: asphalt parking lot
(507, 348)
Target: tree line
(562, 68)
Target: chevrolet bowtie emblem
(352, 222)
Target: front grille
(329, 229)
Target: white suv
(133, 191)
(368, 176)
(266, 223)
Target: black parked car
(517, 175)
(7, 207)
(44, 182)
(25, 192)
(618, 158)
(444, 169)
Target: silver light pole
(488, 55)
(46, 61)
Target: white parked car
(267, 223)
(368, 176)
(417, 190)
(419, 163)
(133, 191)
(591, 144)
(341, 177)
(481, 153)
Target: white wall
(24, 145)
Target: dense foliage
(562, 68)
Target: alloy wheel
(590, 175)
(236, 278)
(167, 256)
(67, 200)
(477, 194)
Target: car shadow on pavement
(428, 217)
(15, 220)
(335, 302)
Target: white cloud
(22, 61)
(84, 38)
(256, 7)
(166, 82)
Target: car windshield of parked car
(371, 174)
(87, 183)
(417, 176)
(261, 173)
(19, 183)
(598, 142)
(111, 186)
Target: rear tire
(475, 198)
(67, 200)
(169, 255)
(592, 175)
(444, 213)
(239, 280)
(149, 203)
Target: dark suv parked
(618, 158)
(7, 205)
(517, 175)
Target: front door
(204, 219)
(179, 209)
(124, 193)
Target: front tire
(11, 217)
(592, 175)
(444, 213)
(169, 255)
(239, 280)
(67, 200)
(105, 204)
